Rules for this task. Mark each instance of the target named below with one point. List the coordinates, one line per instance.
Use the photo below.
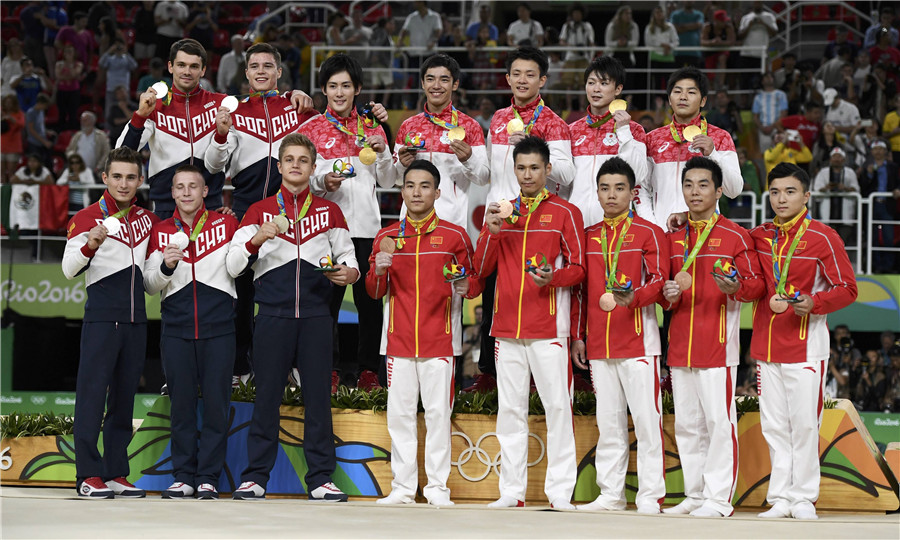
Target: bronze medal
(607, 301)
(777, 304)
(388, 245)
(684, 280)
(506, 209)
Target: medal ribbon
(454, 119)
(267, 93)
(303, 210)
(534, 116)
(704, 127)
(196, 232)
(689, 259)
(597, 122)
(531, 207)
(614, 257)
(105, 210)
(401, 240)
(781, 277)
(360, 132)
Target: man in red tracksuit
(803, 261)
(538, 253)
(422, 331)
(616, 336)
(704, 339)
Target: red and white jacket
(591, 147)
(522, 310)
(660, 195)
(356, 197)
(422, 313)
(250, 148)
(549, 127)
(456, 176)
(113, 273)
(706, 323)
(819, 268)
(178, 134)
(198, 294)
(624, 332)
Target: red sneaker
(95, 488)
(124, 488)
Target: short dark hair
(427, 166)
(689, 72)
(606, 65)
(783, 170)
(617, 165)
(338, 63)
(440, 60)
(705, 163)
(123, 154)
(263, 48)
(188, 168)
(529, 53)
(532, 144)
(188, 46)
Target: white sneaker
(648, 508)
(562, 504)
(440, 500)
(507, 502)
(600, 505)
(249, 491)
(123, 488)
(328, 492)
(684, 507)
(705, 511)
(178, 490)
(207, 491)
(778, 510)
(396, 498)
(804, 510)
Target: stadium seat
(231, 13)
(256, 11)
(221, 40)
(816, 13)
(63, 139)
(51, 117)
(121, 14)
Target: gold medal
(777, 304)
(514, 126)
(684, 280)
(282, 223)
(690, 132)
(367, 156)
(618, 105)
(388, 245)
(607, 301)
(506, 209)
(457, 134)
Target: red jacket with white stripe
(549, 127)
(456, 176)
(522, 310)
(422, 314)
(819, 268)
(624, 332)
(659, 195)
(705, 327)
(591, 147)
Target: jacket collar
(528, 106)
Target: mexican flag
(32, 207)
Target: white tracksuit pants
(622, 384)
(790, 407)
(407, 378)
(706, 434)
(548, 361)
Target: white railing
(791, 41)
(871, 201)
(286, 10)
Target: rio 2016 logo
(44, 292)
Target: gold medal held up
(514, 126)
(690, 132)
(367, 156)
(618, 105)
(457, 134)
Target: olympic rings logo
(491, 464)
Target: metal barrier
(792, 34)
(746, 200)
(876, 224)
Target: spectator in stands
(39, 139)
(838, 212)
(29, 84)
(578, 33)
(749, 172)
(726, 115)
(891, 128)
(888, 341)
(231, 67)
(807, 124)
(872, 385)
(79, 37)
(109, 33)
(69, 74)
(291, 60)
(788, 73)
(892, 394)
(688, 23)
(861, 139)
(484, 19)
(98, 11)
(75, 175)
(12, 127)
(423, 26)
(827, 141)
(719, 32)
(770, 105)
(788, 147)
(839, 37)
(885, 20)
(838, 377)
(120, 113)
(880, 175)
(33, 172)
(381, 62)
(755, 29)
(11, 66)
(486, 109)
(117, 65)
(90, 143)
(202, 25)
(483, 57)
(156, 74)
(52, 17)
(623, 32)
(843, 114)
(170, 17)
(830, 71)
(525, 31)
(336, 24)
(883, 52)
(662, 36)
(357, 35)
(32, 32)
(144, 24)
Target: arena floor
(57, 513)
